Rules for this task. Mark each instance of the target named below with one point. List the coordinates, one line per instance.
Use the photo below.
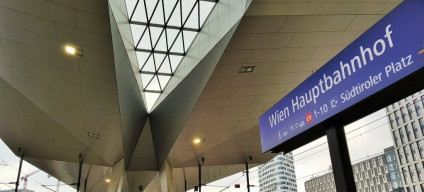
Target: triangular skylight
(163, 31)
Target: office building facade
(278, 174)
(406, 119)
(394, 171)
(371, 175)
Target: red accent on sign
(308, 118)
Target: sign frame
(408, 84)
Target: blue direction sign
(389, 51)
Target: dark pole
(19, 173)
(340, 160)
(247, 177)
(85, 184)
(185, 185)
(79, 172)
(200, 178)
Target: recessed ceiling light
(197, 140)
(247, 69)
(71, 50)
(107, 180)
(95, 136)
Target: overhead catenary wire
(10, 165)
(351, 131)
(7, 184)
(380, 126)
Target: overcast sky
(369, 136)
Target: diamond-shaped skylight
(163, 31)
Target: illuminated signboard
(389, 51)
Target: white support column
(117, 177)
(166, 177)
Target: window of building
(405, 175)
(411, 172)
(414, 151)
(415, 129)
(421, 122)
(420, 145)
(422, 100)
(419, 172)
(403, 112)
(396, 138)
(417, 107)
(400, 156)
(408, 132)
(392, 120)
(410, 111)
(395, 185)
(406, 151)
(402, 138)
(397, 116)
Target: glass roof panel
(175, 19)
(139, 14)
(161, 44)
(151, 98)
(154, 85)
(193, 19)
(205, 9)
(159, 58)
(171, 34)
(163, 31)
(165, 67)
(130, 6)
(156, 33)
(142, 58)
(163, 80)
(189, 38)
(137, 31)
(145, 41)
(177, 44)
(187, 8)
(146, 78)
(158, 15)
(150, 6)
(169, 7)
(149, 66)
(175, 61)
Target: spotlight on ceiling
(197, 140)
(73, 50)
(107, 180)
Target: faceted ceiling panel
(163, 31)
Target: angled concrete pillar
(167, 182)
(117, 177)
